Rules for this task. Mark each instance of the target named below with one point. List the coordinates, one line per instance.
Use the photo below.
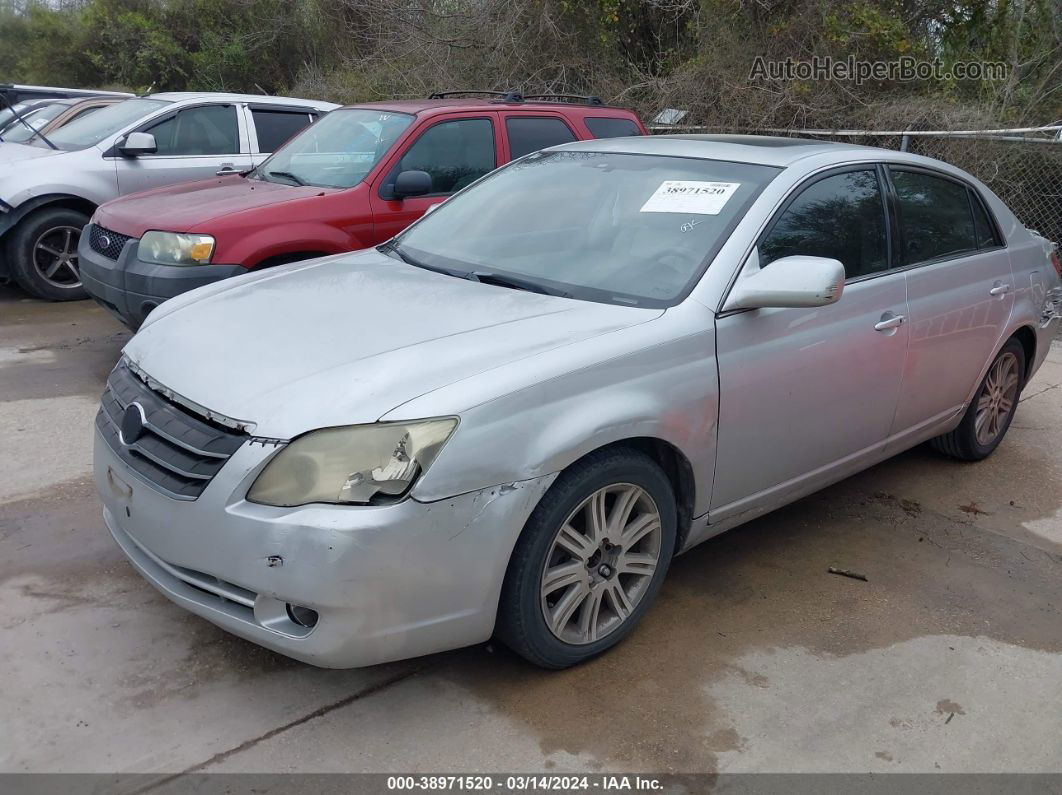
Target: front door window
(455, 154)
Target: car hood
(12, 153)
(347, 339)
(187, 206)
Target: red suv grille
(105, 242)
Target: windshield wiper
(515, 282)
(22, 119)
(286, 175)
(485, 277)
(391, 245)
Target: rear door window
(274, 127)
(983, 227)
(612, 128)
(206, 130)
(935, 216)
(528, 134)
(454, 153)
(841, 217)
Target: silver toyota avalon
(507, 420)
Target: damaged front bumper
(387, 582)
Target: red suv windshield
(336, 152)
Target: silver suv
(49, 188)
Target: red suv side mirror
(412, 183)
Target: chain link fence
(1022, 166)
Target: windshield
(89, 130)
(6, 114)
(336, 152)
(617, 228)
(17, 132)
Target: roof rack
(517, 97)
(575, 99)
(503, 96)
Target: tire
(603, 581)
(996, 401)
(30, 251)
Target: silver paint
(765, 405)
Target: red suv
(352, 180)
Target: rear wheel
(590, 560)
(990, 413)
(43, 254)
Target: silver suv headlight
(353, 464)
(173, 248)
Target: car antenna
(4, 88)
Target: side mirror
(789, 282)
(412, 183)
(138, 143)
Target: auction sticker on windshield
(689, 196)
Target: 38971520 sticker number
(690, 196)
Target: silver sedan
(508, 420)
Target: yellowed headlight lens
(351, 465)
(201, 250)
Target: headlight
(351, 465)
(171, 248)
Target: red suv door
(455, 150)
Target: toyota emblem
(133, 421)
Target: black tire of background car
(962, 443)
(20, 252)
(521, 625)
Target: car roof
(70, 101)
(416, 106)
(191, 96)
(762, 149)
(72, 92)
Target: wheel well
(284, 259)
(678, 470)
(70, 203)
(1027, 338)
(34, 206)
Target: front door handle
(229, 168)
(999, 289)
(889, 321)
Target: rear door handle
(228, 168)
(999, 289)
(889, 321)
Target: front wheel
(43, 254)
(590, 560)
(990, 413)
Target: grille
(177, 452)
(105, 242)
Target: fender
(10, 219)
(576, 399)
(1026, 313)
(273, 241)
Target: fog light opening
(303, 616)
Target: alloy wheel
(996, 401)
(55, 256)
(601, 563)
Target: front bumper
(130, 288)
(388, 582)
